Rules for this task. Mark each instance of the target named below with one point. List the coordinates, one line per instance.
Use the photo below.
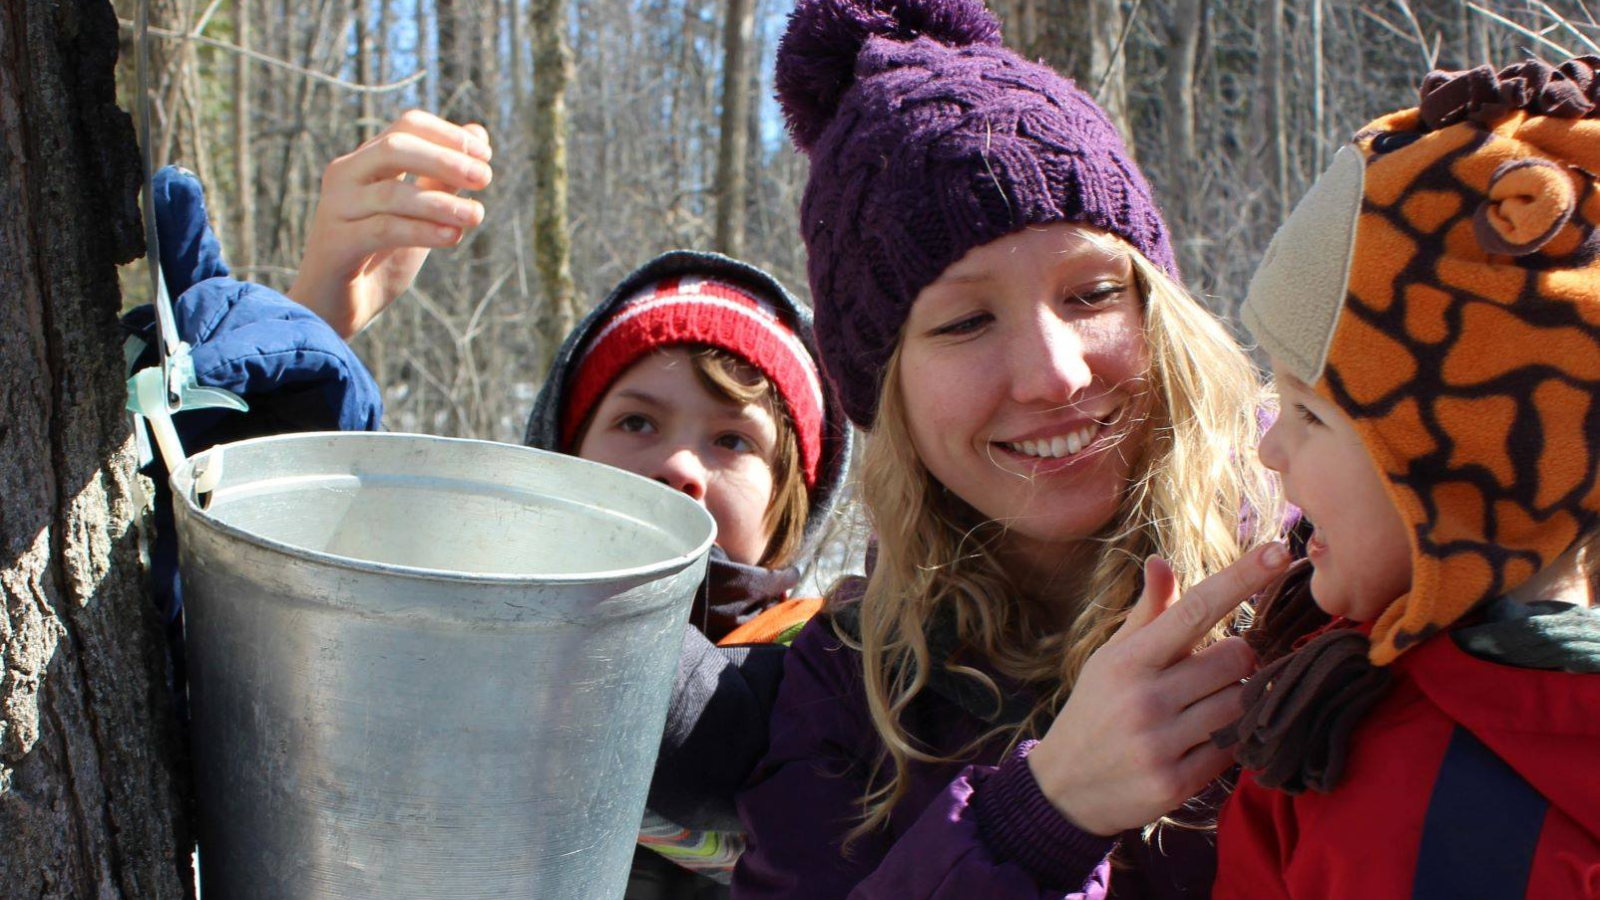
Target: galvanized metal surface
(427, 668)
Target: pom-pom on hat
(712, 312)
(928, 138)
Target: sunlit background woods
(671, 137)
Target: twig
(425, 302)
(1521, 30)
(1429, 56)
(1389, 26)
(275, 62)
(472, 330)
(1562, 21)
(205, 18)
(1587, 14)
(1116, 54)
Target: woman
(1060, 441)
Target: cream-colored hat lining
(1298, 291)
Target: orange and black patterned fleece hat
(1440, 283)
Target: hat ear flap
(1528, 202)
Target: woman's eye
(1103, 294)
(1309, 417)
(969, 325)
(634, 423)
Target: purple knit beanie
(928, 138)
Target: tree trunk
(733, 141)
(1475, 26)
(365, 49)
(1319, 135)
(447, 22)
(1082, 39)
(1183, 42)
(552, 71)
(170, 65)
(485, 110)
(90, 783)
(518, 36)
(244, 175)
(1276, 120)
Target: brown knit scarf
(1315, 685)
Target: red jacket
(1469, 779)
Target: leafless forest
(653, 122)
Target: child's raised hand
(373, 229)
(1133, 741)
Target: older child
(1001, 705)
(697, 371)
(1432, 309)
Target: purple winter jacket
(961, 831)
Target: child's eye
(962, 327)
(1103, 294)
(738, 443)
(1306, 414)
(633, 423)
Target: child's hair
(730, 379)
(1198, 497)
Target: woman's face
(1023, 375)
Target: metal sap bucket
(426, 668)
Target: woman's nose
(1048, 362)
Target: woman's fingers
(1195, 761)
(1160, 591)
(1173, 635)
(412, 201)
(1201, 766)
(1193, 679)
(1204, 717)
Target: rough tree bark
(734, 138)
(89, 787)
(552, 251)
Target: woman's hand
(373, 229)
(1133, 742)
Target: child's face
(1360, 549)
(1022, 374)
(659, 421)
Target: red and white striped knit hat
(689, 309)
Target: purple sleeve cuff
(1018, 823)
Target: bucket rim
(183, 479)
